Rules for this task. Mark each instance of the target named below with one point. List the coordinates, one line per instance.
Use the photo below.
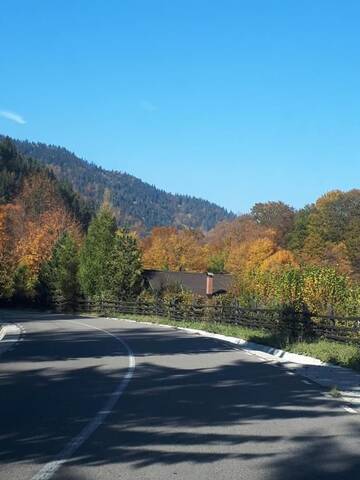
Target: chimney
(209, 284)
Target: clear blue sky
(234, 101)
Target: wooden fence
(289, 324)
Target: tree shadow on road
(181, 412)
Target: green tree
(352, 242)
(125, 266)
(333, 213)
(24, 285)
(95, 273)
(296, 238)
(275, 215)
(217, 263)
(60, 274)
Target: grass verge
(343, 354)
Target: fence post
(306, 332)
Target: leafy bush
(319, 290)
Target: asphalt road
(73, 406)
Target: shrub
(319, 290)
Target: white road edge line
(49, 469)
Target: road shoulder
(346, 381)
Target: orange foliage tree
(248, 255)
(170, 249)
(12, 222)
(29, 228)
(227, 238)
(282, 259)
(40, 235)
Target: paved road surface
(195, 408)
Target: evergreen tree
(24, 285)
(125, 266)
(6, 278)
(296, 238)
(60, 274)
(95, 255)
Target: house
(204, 284)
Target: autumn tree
(275, 215)
(170, 249)
(35, 211)
(35, 220)
(188, 251)
(227, 237)
(7, 260)
(327, 233)
(250, 255)
(242, 229)
(156, 248)
(333, 212)
(280, 260)
(41, 234)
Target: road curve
(194, 408)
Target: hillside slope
(36, 210)
(16, 170)
(138, 204)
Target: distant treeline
(273, 236)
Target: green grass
(343, 354)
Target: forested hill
(36, 211)
(138, 204)
(27, 182)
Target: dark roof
(195, 282)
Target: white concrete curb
(255, 348)
(10, 335)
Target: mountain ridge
(138, 204)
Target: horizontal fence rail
(290, 325)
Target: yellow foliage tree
(249, 255)
(278, 261)
(170, 249)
